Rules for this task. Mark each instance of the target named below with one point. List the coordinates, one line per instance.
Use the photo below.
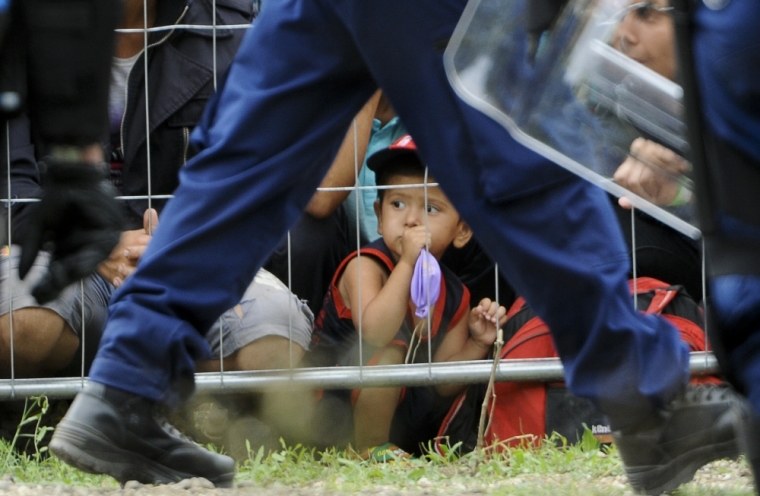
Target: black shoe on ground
(109, 431)
(702, 425)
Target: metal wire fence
(224, 380)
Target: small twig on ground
(490, 396)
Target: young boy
(369, 304)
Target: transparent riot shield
(575, 94)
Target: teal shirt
(380, 138)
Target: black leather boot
(109, 431)
(701, 425)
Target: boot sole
(658, 479)
(91, 452)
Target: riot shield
(577, 94)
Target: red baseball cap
(402, 147)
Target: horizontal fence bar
(330, 189)
(533, 370)
(192, 27)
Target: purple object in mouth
(426, 283)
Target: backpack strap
(516, 307)
(662, 293)
(443, 430)
(662, 297)
(645, 284)
(691, 333)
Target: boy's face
(404, 208)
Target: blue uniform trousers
(736, 300)
(268, 138)
(727, 56)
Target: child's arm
(384, 303)
(470, 339)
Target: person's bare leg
(43, 343)
(266, 353)
(374, 407)
(287, 411)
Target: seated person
(376, 289)
(470, 263)
(269, 328)
(190, 53)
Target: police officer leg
(266, 140)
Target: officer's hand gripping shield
(569, 94)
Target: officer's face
(646, 34)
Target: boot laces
(706, 393)
(169, 428)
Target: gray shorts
(268, 308)
(94, 291)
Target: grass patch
(34, 465)
(553, 468)
(335, 470)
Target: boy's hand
(485, 319)
(413, 241)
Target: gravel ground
(717, 478)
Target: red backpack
(525, 412)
